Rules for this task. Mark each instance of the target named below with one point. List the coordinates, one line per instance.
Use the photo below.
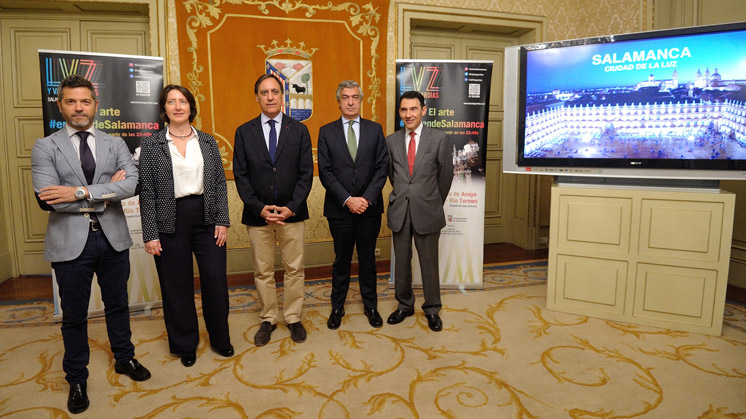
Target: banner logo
(57, 68)
(293, 66)
(422, 78)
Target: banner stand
(457, 96)
(128, 88)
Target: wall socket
(378, 251)
(544, 240)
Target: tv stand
(655, 256)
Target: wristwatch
(80, 193)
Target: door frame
(527, 28)
(9, 264)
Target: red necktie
(411, 152)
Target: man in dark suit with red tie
(421, 172)
(353, 166)
(273, 168)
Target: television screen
(656, 104)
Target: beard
(79, 123)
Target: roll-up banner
(457, 96)
(128, 88)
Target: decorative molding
(204, 14)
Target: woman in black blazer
(184, 210)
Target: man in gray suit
(421, 172)
(87, 231)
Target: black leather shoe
(374, 318)
(188, 359)
(227, 352)
(132, 369)
(434, 322)
(398, 316)
(297, 332)
(264, 333)
(335, 318)
(77, 400)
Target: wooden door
(23, 224)
(452, 45)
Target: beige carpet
(501, 355)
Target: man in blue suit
(273, 168)
(81, 175)
(353, 166)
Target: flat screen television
(665, 104)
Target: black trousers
(74, 279)
(361, 231)
(176, 276)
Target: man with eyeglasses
(353, 166)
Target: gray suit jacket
(55, 162)
(426, 190)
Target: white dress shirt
(265, 127)
(189, 169)
(417, 136)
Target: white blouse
(189, 170)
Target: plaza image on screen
(663, 100)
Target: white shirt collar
(72, 131)
(265, 118)
(417, 131)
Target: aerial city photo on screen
(680, 97)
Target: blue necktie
(272, 139)
(86, 157)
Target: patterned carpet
(501, 355)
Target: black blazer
(343, 177)
(286, 183)
(157, 201)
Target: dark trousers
(74, 279)
(427, 250)
(360, 231)
(176, 276)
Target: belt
(95, 226)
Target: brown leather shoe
(264, 333)
(297, 332)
